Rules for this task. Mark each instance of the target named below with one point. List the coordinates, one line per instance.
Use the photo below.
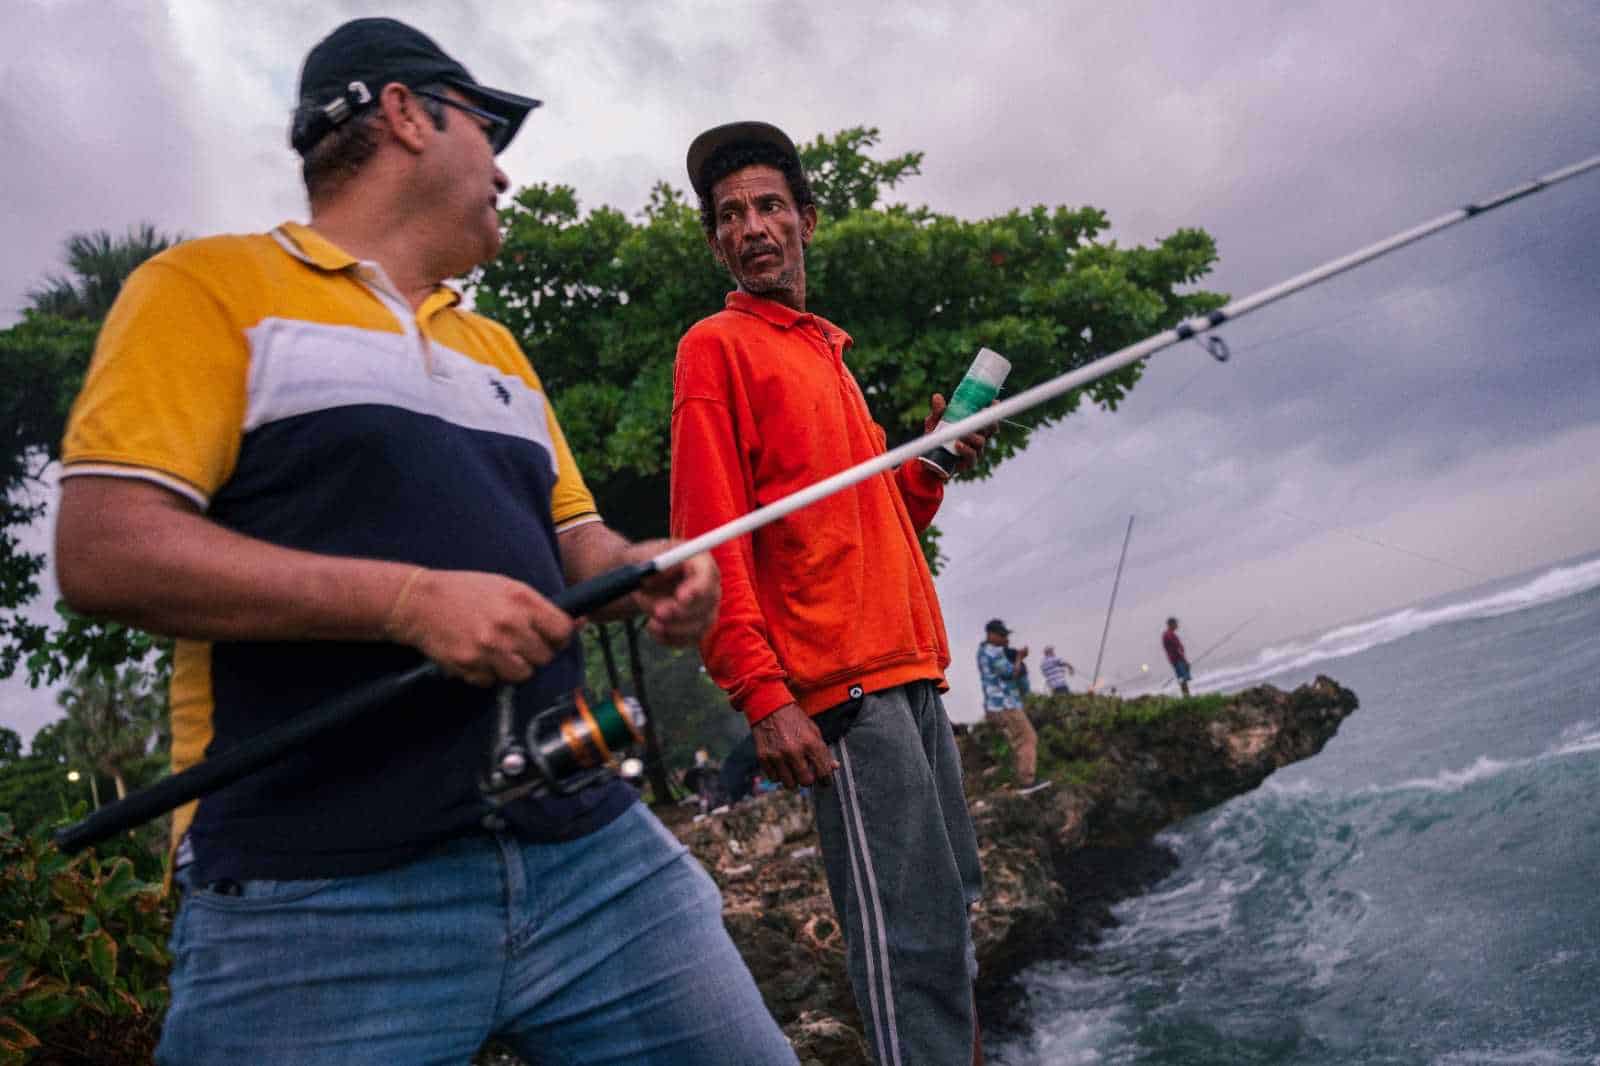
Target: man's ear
(808, 223)
(402, 110)
(716, 253)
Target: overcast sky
(1421, 426)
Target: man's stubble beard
(785, 281)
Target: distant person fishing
(1055, 670)
(1001, 669)
(1173, 646)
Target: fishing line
(1401, 298)
(1003, 535)
(1001, 539)
(1375, 541)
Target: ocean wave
(1583, 739)
(1548, 587)
(1579, 740)
(1520, 1056)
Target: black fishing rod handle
(251, 755)
(596, 592)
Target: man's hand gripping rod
(582, 598)
(268, 747)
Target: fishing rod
(1094, 678)
(273, 744)
(1049, 390)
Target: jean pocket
(254, 894)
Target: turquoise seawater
(1425, 890)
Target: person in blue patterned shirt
(1000, 673)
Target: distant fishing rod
(272, 745)
(1229, 635)
(1094, 678)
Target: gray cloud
(93, 139)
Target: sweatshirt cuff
(765, 699)
(923, 479)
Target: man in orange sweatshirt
(829, 638)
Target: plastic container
(976, 391)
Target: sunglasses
(497, 129)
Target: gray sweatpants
(902, 862)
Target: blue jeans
(605, 949)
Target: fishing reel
(565, 748)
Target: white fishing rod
(580, 599)
(1049, 390)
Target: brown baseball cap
(703, 147)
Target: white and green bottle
(976, 391)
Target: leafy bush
(83, 962)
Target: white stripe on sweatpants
(866, 889)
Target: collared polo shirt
(292, 394)
(836, 599)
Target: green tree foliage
(36, 794)
(42, 362)
(845, 179)
(599, 302)
(51, 741)
(116, 722)
(692, 711)
(97, 264)
(34, 789)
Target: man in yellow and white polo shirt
(296, 453)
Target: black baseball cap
(347, 70)
(997, 626)
(703, 147)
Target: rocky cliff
(1053, 861)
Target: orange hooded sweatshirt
(836, 596)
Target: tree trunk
(655, 767)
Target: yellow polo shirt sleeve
(571, 502)
(164, 399)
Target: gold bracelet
(400, 599)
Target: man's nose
(753, 225)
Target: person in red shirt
(1175, 654)
(829, 637)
